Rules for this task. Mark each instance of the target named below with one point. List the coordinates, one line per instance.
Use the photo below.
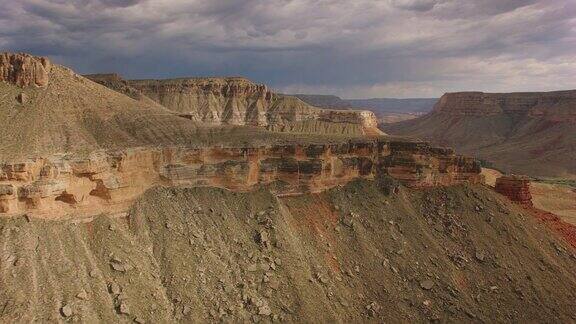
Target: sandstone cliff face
(553, 106)
(24, 70)
(109, 181)
(235, 101)
(238, 101)
(516, 188)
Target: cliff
(552, 106)
(234, 101)
(73, 114)
(110, 181)
(523, 133)
(24, 70)
(238, 101)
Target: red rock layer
(24, 70)
(565, 230)
(516, 188)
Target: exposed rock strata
(553, 106)
(516, 188)
(522, 133)
(238, 101)
(111, 181)
(24, 70)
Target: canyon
(524, 133)
(215, 199)
(80, 148)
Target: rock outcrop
(109, 181)
(24, 70)
(516, 188)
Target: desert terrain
(215, 199)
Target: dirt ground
(352, 254)
(557, 199)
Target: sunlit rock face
(238, 101)
(24, 70)
(110, 181)
(516, 188)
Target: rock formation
(24, 70)
(516, 188)
(109, 181)
(523, 133)
(552, 106)
(233, 101)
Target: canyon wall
(238, 101)
(234, 101)
(109, 181)
(553, 106)
(24, 70)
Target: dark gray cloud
(355, 48)
(416, 5)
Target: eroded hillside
(460, 254)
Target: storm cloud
(352, 48)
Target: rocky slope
(117, 83)
(353, 254)
(528, 133)
(69, 113)
(238, 101)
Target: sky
(350, 48)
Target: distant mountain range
(378, 105)
(387, 110)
